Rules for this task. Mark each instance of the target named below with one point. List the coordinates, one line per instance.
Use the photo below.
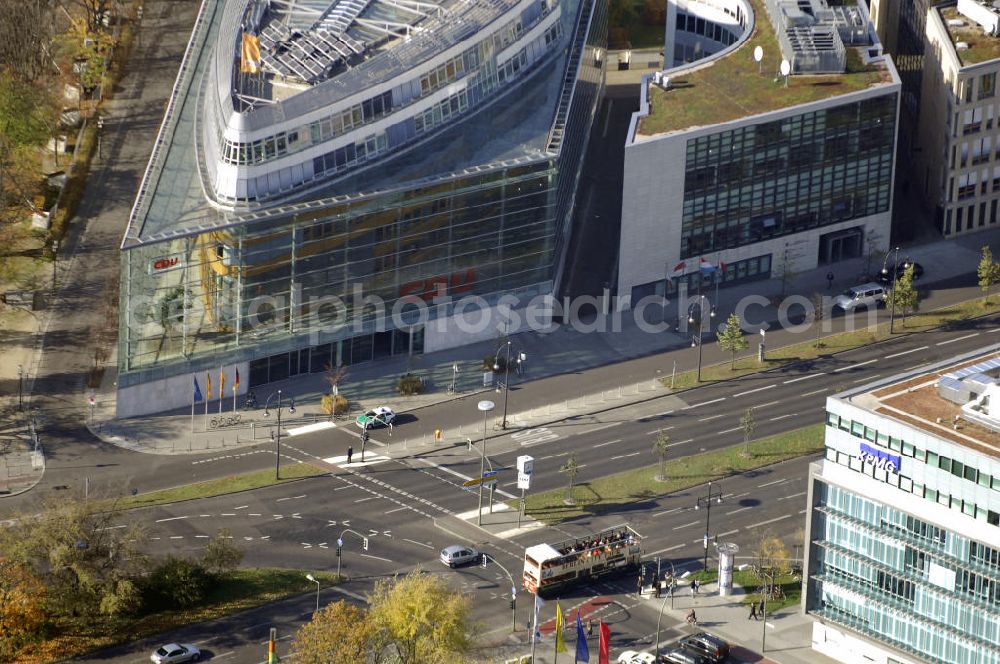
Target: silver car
(175, 652)
(456, 555)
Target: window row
(353, 153)
(441, 112)
(450, 71)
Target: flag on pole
(197, 390)
(222, 384)
(208, 380)
(560, 641)
(539, 603)
(582, 650)
(250, 54)
(705, 267)
(679, 269)
(236, 383)
(604, 647)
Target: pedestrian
(760, 610)
(350, 453)
(697, 586)
(829, 280)
(753, 611)
(694, 586)
(639, 587)
(590, 627)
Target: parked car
(375, 418)
(713, 647)
(886, 277)
(864, 296)
(634, 657)
(456, 555)
(175, 652)
(684, 656)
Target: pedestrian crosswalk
(371, 458)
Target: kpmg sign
(880, 458)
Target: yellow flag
(560, 642)
(250, 54)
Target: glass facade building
(903, 535)
(481, 209)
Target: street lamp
(485, 406)
(313, 579)
(55, 252)
(706, 500)
(697, 340)
(521, 357)
(885, 274)
(662, 605)
(277, 439)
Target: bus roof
(541, 552)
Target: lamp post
(20, 387)
(313, 579)
(662, 605)
(521, 357)
(55, 252)
(485, 406)
(277, 438)
(706, 500)
(885, 273)
(701, 326)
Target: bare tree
(26, 36)
(660, 449)
(749, 424)
(571, 469)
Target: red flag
(604, 655)
(236, 384)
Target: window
(987, 85)
(932, 459)
(970, 473)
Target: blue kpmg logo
(880, 458)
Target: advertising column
(727, 555)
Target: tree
(770, 561)
(748, 423)
(818, 314)
(988, 272)
(22, 613)
(419, 619)
(731, 338)
(221, 555)
(905, 296)
(26, 34)
(660, 449)
(89, 565)
(571, 469)
(339, 632)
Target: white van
(864, 296)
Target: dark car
(684, 656)
(709, 645)
(885, 276)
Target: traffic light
(484, 561)
(511, 605)
(338, 552)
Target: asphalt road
(296, 526)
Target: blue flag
(197, 391)
(582, 651)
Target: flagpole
(534, 626)
(192, 414)
(235, 387)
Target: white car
(375, 418)
(175, 652)
(456, 555)
(634, 657)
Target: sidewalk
(788, 637)
(621, 368)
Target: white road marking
(764, 523)
(742, 509)
(951, 341)
(398, 509)
(794, 495)
(728, 532)
(173, 518)
(466, 478)
(241, 507)
(719, 433)
(703, 403)
(176, 537)
(781, 417)
(711, 417)
(855, 366)
(693, 523)
(602, 427)
(681, 442)
(610, 442)
(227, 514)
(201, 536)
(759, 389)
(368, 555)
(361, 500)
(866, 378)
(427, 546)
(761, 486)
(806, 377)
(625, 456)
(253, 513)
(809, 394)
(669, 548)
(765, 405)
(676, 509)
(905, 352)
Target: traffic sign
(489, 474)
(475, 481)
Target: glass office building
(903, 533)
(353, 267)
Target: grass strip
(236, 591)
(791, 587)
(612, 492)
(951, 316)
(219, 487)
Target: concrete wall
(844, 646)
(159, 396)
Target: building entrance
(840, 245)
